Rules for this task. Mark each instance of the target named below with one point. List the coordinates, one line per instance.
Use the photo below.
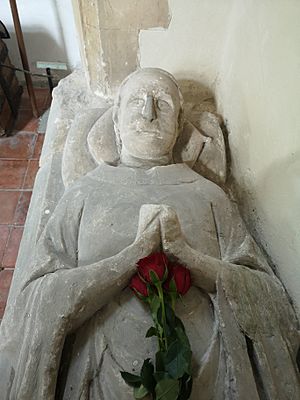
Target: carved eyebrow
(164, 96)
(140, 94)
(157, 94)
(139, 97)
(167, 98)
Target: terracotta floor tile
(22, 208)
(5, 281)
(32, 170)
(44, 98)
(8, 204)
(26, 121)
(41, 91)
(19, 146)
(41, 95)
(12, 173)
(12, 248)
(25, 102)
(4, 232)
(38, 146)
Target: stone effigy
(132, 185)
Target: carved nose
(149, 111)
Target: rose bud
(156, 262)
(181, 277)
(138, 286)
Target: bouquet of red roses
(159, 283)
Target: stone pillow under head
(92, 141)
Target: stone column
(109, 35)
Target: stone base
(70, 97)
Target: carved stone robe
(243, 337)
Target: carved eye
(137, 102)
(163, 105)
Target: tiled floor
(19, 161)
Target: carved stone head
(148, 115)
(144, 128)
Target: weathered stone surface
(119, 54)
(77, 159)
(70, 97)
(212, 161)
(69, 307)
(112, 27)
(131, 14)
(92, 139)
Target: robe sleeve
(56, 298)
(251, 296)
(249, 279)
(57, 247)
(236, 245)
(33, 330)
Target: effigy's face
(148, 115)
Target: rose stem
(173, 301)
(161, 298)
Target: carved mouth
(155, 135)
(150, 133)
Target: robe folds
(53, 346)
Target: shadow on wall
(279, 187)
(276, 186)
(199, 98)
(273, 227)
(40, 46)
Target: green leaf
(179, 324)
(147, 377)
(130, 379)
(177, 360)
(153, 277)
(151, 290)
(154, 306)
(159, 376)
(140, 393)
(151, 332)
(167, 389)
(171, 318)
(185, 387)
(182, 337)
(159, 361)
(140, 296)
(166, 273)
(172, 286)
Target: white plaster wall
(190, 48)
(248, 53)
(49, 32)
(258, 93)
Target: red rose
(156, 262)
(138, 286)
(181, 276)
